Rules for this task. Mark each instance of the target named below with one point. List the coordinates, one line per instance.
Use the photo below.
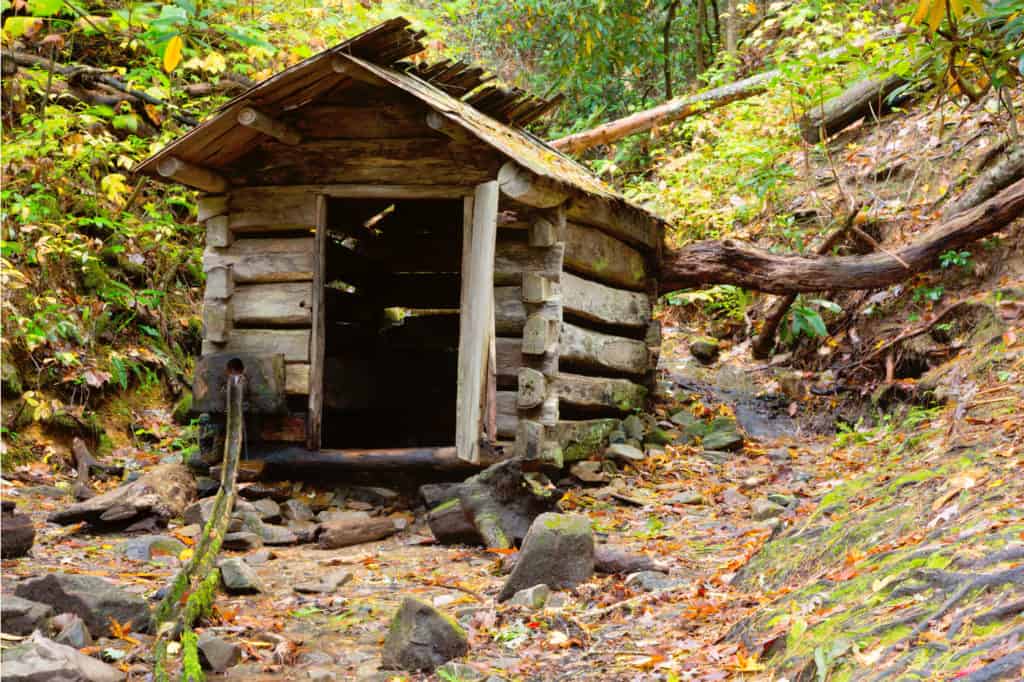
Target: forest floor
(896, 550)
(899, 552)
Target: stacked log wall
(597, 310)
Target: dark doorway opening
(392, 291)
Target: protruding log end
(192, 175)
(525, 187)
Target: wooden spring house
(405, 272)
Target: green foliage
(932, 294)
(723, 300)
(956, 258)
(607, 57)
(805, 319)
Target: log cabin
(406, 275)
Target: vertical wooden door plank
(476, 321)
(316, 340)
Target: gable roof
(455, 90)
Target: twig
(433, 583)
(638, 600)
(46, 97)
(874, 243)
(911, 333)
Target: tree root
(999, 669)
(961, 584)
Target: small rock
(92, 598)
(633, 426)
(766, 509)
(242, 541)
(588, 472)
(532, 597)
(332, 516)
(733, 498)
(617, 436)
(421, 638)
(321, 675)
(193, 530)
(325, 585)
(74, 632)
(268, 509)
(651, 451)
(649, 581)
(459, 671)
(687, 497)
(21, 616)
(658, 436)
(277, 535)
(148, 547)
(558, 551)
(296, 510)
(782, 500)
(723, 434)
(705, 349)
(239, 577)
(18, 535)
(206, 487)
(39, 659)
(622, 451)
(372, 495)
(199, 512)
(259, 557)
(217, 654)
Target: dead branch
(745, 265)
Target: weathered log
(264, 260)
(362, 120)
(272, 209)
(732, 262)
(593, 350)
(292, 343)
(533, 190)
(192, 175)
(259, 121)
(594, 253)
(599, 393)
(502, 503)
(513, 259)
(612, 560)
(337, 534)
(163, 493)
(17, 535)
(604, 304)
(283, 303)
(864, 98)
(1008, 169)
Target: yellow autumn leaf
(115, 187)
(172, 53)
(186, 554)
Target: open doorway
(392, 291)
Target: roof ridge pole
(528, 188)
(343, 65)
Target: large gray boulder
(421, 638)
(558, 551)
(21, 616)
(93, 599)
(239, 577)
(39, 659)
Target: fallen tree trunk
(745, 265)
(338, 534)
(684, 107)
(161, 493)
(764, 342)
(866, 97)
(1008, 169)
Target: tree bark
(1009, 168)
(733, 262)
(731, 28)
(863, 98)
(670, 16)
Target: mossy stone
(558, 551)
(422, 638)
